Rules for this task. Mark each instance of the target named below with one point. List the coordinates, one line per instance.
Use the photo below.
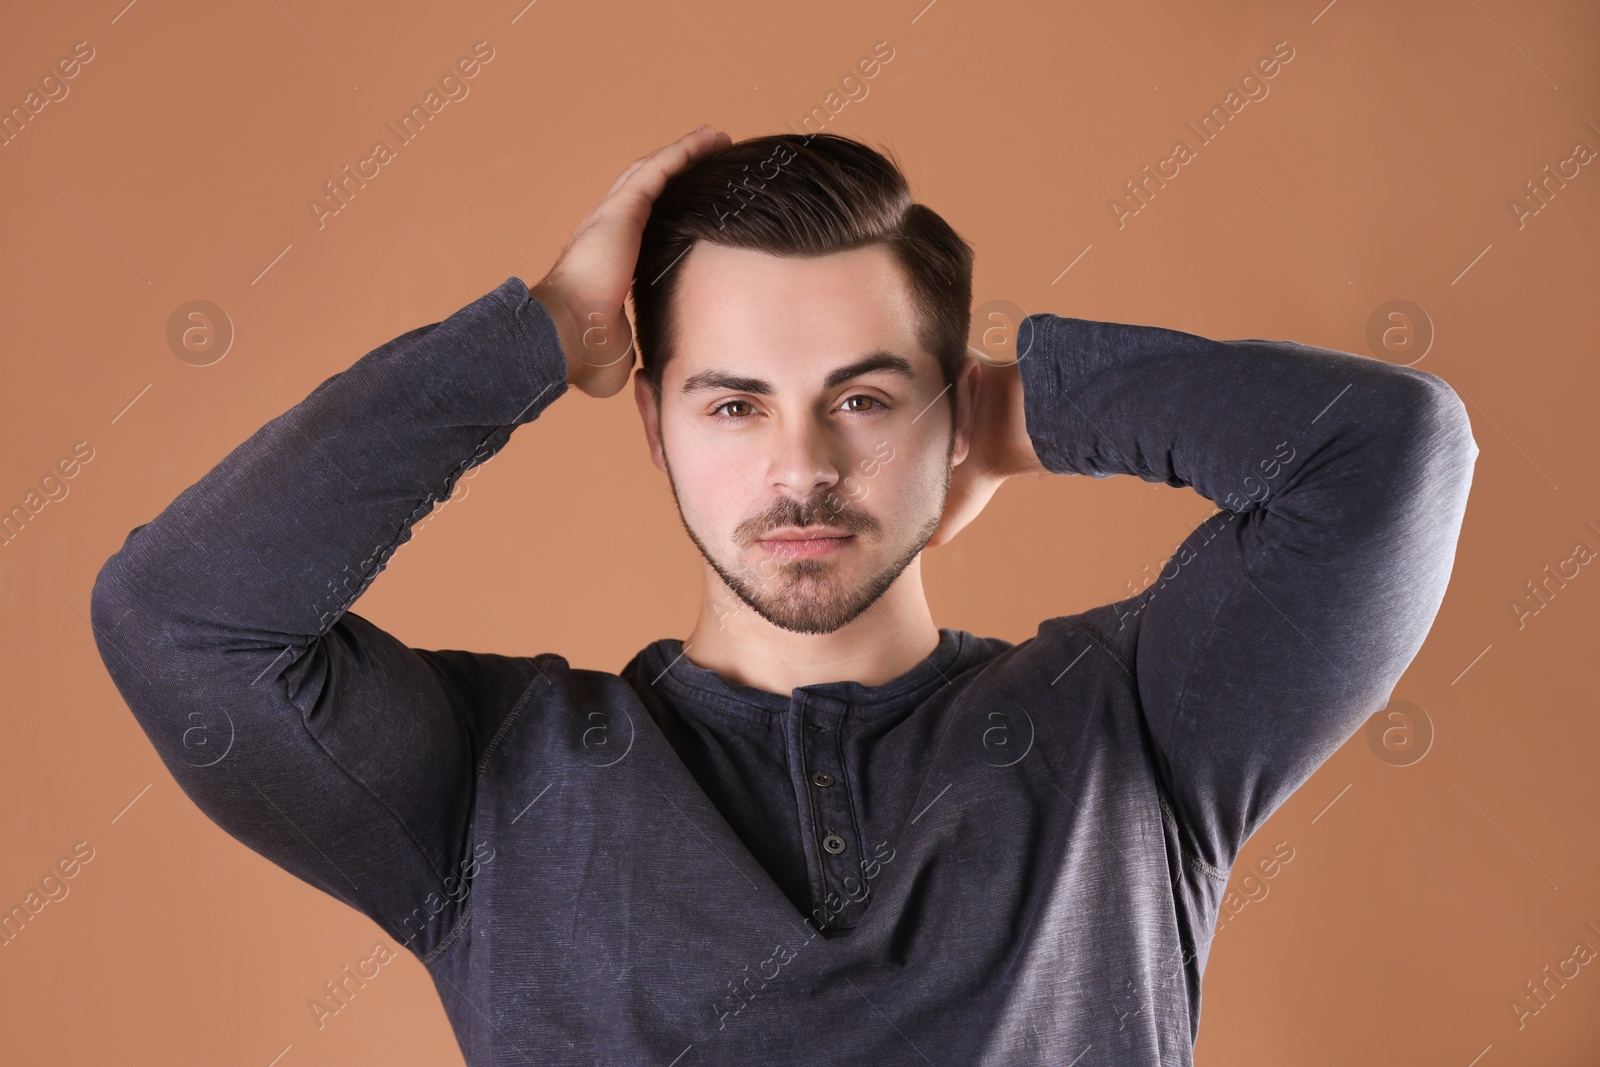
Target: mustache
(789, 512)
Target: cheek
(712, 493)
(898, 486)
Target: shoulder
(1091, 651)
(1099, 640)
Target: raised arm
(1285, 620)
(300, 728)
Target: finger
(626, 208)
(648, 176)
(693, 138)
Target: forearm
(274, 543)
(1242, 422)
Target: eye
(863, 410)
(732, 418)
(721, 412)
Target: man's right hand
(584, 290)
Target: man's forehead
(880, 362)
(792, 322)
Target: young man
(821, 829)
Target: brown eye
(728, 403)
(870, 399)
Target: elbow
(1426, 423)
(1431, 454)
(120, 621)
(110, 603)
(111, 598)
(1439, 421)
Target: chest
(982, 854)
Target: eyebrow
(875, 361)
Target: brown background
(1420, 898)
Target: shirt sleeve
(300, 728)
(1285, 619)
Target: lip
(807, 544)
(805, 533)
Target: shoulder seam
(450, 938)
(511, 717)
(1166, 808)
(1100, 639)
(422, 852)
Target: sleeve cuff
(547, 363)
(1042, 366)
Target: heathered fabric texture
(602, 868)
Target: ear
(644, 395)
(968, 383)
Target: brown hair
(792, 195)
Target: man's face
(798, 404)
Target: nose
(804, 459)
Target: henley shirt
(1013, 854)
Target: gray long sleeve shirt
(1012, 854)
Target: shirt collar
(663, 665)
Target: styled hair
(793, 195)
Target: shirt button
(833, 843)
(821, 778)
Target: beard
(808, 596)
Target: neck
(888, 639)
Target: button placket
(846, 889)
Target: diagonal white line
(131, 803)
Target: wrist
(566, 328)
(1014, 451)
